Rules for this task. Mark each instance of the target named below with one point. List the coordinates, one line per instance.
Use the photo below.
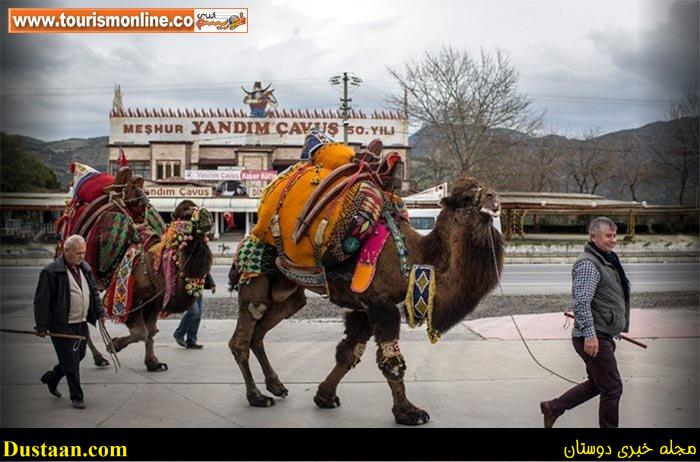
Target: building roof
(245, 113)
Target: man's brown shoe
(549, 417)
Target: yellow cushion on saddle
(332, 156)
(288, 200)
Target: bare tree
(543, 163)
(431, 168)
(682, 158)
(470, 104)
(632, 167)
(588, 166)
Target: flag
(122, 162)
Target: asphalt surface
(533, 279)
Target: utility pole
(344, 106)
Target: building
(226, 156)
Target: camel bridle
(473, 208)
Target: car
(423, 220)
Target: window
(167, 169)
(423, 222)
(142, 168)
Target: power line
(312, 81)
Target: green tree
(21, 171)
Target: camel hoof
(257, 399)
(153, 365)
(100, 361)
(276, 388)
(326, 402)
(410, 415)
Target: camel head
(471, 204)
(188, 233)
(472, 250)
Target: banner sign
(248, 131)
(185, 191)
(225, 175)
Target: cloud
(61, 85)
(665, 55)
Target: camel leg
(273, 316)
(137, 333)
(347, 355)
(100, 361)
(253, 301)
(151, 360)
(386, 324)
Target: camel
(191, 259)
(467, 254)
(115, 215)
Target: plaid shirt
(585, 282)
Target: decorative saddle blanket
(105, 222)
(316, 215)
(119, 298)
(337, 227)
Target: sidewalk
(479, 375)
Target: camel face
(489, 202)
(470, 201)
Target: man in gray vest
(601, 296)
(66, 299)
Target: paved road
(20, 282)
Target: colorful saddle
(111, 213)
(319, 213)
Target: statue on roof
(258, 99)
(117, 100)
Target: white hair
(597, 224)
(73, 240)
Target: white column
(216, 225)
(247, 223)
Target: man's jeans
(189, 324)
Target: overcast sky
(593, 64)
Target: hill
(58, 154)
(659, 188)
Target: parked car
(423, 220)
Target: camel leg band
(390, 349)
(357, 353)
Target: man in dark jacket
(66, 300)
(601, 296)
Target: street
(536, 279)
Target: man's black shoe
(194, 346)
(549, 416)
(78, 403)
(52, 388)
